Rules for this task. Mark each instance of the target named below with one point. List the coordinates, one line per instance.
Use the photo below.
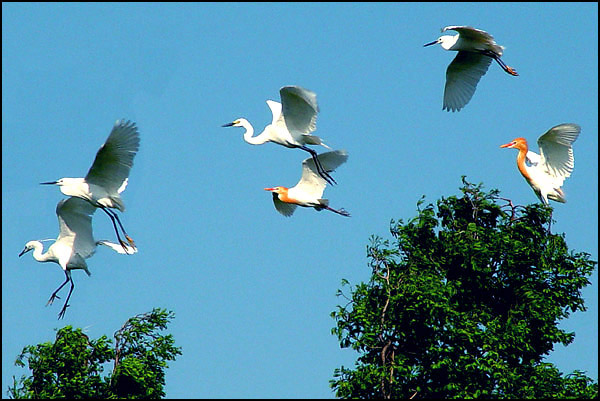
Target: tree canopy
(71, 367)
(465, 301)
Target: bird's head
(277, 190)
(435, 42)
(237, 123)
(518, 143)
(28, 247)
(447, 41)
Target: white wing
(75, 225)
(275, 110)
(532, 158)
(118, 247)
(299, 109)
(115, 158)
(557, 152)
(286, 209)
(311, 184)
(462, 76)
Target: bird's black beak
(23, 252)
(227, 125)
(48, 183)
(429, 44)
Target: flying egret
(74, 244)
(476, 49)
(293, 121)
(309, 190)
(546, 172)
(109, 173)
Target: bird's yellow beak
(507, 145)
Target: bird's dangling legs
(324, 174)
(64, 309)
(506, 68)
(113, 216)
(54, 294)
(341, 211)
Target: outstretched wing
(130, 250)
(299, 109)
(557, 151)
(311, 183)
(75, 225)
(462, 76)
(114, 159)
(286, 209)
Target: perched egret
(476, 49)
(293, 121)
(74, 244)
(109, 173)
(309, 190)
(547, 171)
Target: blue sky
(252, 290)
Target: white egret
(74, 244)
(108, 175)
(476, 49)
(293, 121)
(309, 190)
(547, 171)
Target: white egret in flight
(309, 190)
(476, 49)
(74, 244)
(108, 175)
(293, 121)
(547, 171)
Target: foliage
(465, 303)
(71, 367)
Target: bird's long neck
(253, 140)
(523, 148)
(38, 247)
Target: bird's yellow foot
(130, 241)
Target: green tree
(464, 303)
(71, 367)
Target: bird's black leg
(53, 296)
(112, 218)
(64, 309)
(501, 63)
(129, 239)
(324, 174)
(341, 211)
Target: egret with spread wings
(309, 190)
(547, 171)
(75, 243)
(109, 174)
(293, 121)
(476, 50)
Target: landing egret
(546, 172)
(309, 190)
(74, 244)
(109, 173)
(293, 121)
(476, 49)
